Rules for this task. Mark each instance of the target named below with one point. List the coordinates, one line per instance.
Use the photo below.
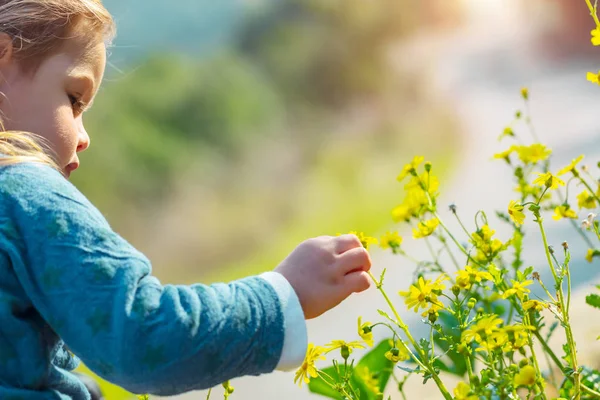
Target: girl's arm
(96, 292)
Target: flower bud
(523, 363)
(551, 249)
(565, 245)
(471, 303)
(345, 352)
(433, 316)
(428, 166)
(455, 290)
(452, 208)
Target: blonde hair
(40, 29)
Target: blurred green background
(227, 132)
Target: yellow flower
(595, 36)
(505, 155)
(525, 93)
(534, 305)
(365, 240)
(591, 253)
(564, 211)
(533, 154)
(586, 200)
(593, 77)
(518, 336)
(463, 392)
(408, 168)
(390, 240)
(518, 288)
(402, 212)
(470, 275)
(369, 379)
(425, 228)
(143, 397)
(364, 331)
(508, 131)
(308, 369)
(497, 339)
(482, 328)
(525, 377)
(571, 166)
(549, 180)
(341, 344)
(228, 389)
(515, 211)
(395, 354)
(424, 292)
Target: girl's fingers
(346, 242)
(354, 260)
(357, 282)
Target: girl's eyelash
(77, 104)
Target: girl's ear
(6, 50)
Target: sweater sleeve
(97, 293)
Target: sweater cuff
(295, 340)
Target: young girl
(69, 280)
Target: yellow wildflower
(591, 253)
(518, 288)
(397, 354)
(533, 154)
(595, 36)
(525, 377)
(341, 344)
(408, 168)
(463, 392)
(525, 93)
(424, 292)
(390, 240)
(586, 200)
(534, 305)
(308, 370)
(549, 180)
(466, 277)
(369, 379)
(365, 240)
(570, 167)
(482, 328)
(515, 211)
(364, 331)
(402, 212)
(425, 228)
(518, 336)
(564, 211)
(593, 77)
(496, 340)
(505, 155)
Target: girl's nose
(83, 138)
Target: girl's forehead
(88, 60)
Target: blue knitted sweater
(71, 288)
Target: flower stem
(418, 348)
(208, 395)
(593, 12)
(588, 187)
(565, 312)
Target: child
(66, 276)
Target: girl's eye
(77, 105)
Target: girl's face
(51, 102)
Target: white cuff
(295, 340)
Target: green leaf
(319, 386)
(593, 300)
(374, 362)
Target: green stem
(539, 381)
(449, 251)
(528, 119)
(565, 312)
(418, 348)
(208, 395)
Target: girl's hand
(325, 270)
